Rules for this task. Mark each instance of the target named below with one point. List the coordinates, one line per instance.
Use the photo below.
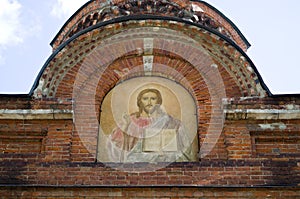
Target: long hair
(140, 95)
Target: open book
(160, 140)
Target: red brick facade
(248, 139)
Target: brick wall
(144, 192)
(40, 154)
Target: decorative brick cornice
(98, 11)
(77, 50)
(139, 7)
(39, 114)
(262, 114)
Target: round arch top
(152, 39)
(196, 11)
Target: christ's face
(149, 102)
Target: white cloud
(65, 8)
(16, 25)
(10, 11)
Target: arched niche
(167, 134)
(184, 62)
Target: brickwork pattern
(227, 58)
(61, 159)
(142, 192)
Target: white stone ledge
(38, 114)
(262, 114)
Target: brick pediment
(99, 48)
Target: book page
(152, 141)
(164, 140)
(169, 140)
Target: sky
(271, 26)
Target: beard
(149, 109)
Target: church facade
(149, 99)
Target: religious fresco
(148, 119)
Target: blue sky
(271, 26)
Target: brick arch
(166, 65)
(170, 67)
(194, 69)
(58, 76)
